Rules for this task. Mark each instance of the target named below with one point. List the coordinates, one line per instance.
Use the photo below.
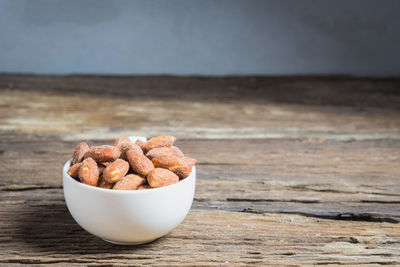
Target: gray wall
(200, 37)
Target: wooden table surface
(291, 170)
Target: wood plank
(103, 107)
(43, 232)
(291, 171)
(332, 179)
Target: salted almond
(116, 171)
(143, 187)
(74, 170)
(129, 146)
(79, 153)
(103, 153)
(140, 143)
(173, 163)
(122, 140)
(190, 161)
(159, 141)
(139, 163)
(129, 182)
(176, 151)
(104, 184)
(88, 172)
(161, 177)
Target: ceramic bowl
(128, 217)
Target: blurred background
(200, 37)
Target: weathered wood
(256, 107)
(329, 179)
(304, 170)
(43, 232)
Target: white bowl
(128, 217)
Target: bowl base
(128, 243)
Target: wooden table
(291, 170)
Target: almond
(104, 184)
(139, 163)
(122, 140)
(143, 187)
(74, 170)
(103, 153)
(161, 177)
(159, 152)
(176, 151)
(140, 143)
(128, 146)
(190, 161)
(173, 163)
(116, 171)
(159, 141)
(79, 152)
(129, 182)
(88, 172)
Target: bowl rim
(146, 191)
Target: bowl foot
(128, 243)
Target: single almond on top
(159, 141)
(161, 177)
(116, 171)
(139, 163)
(79, 153)
(129, 182)
(159, 152)
(103, 153)
(88, 172)
(173, 163)
(164, 152)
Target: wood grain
(291, 170)
(205, 238)
(257, 107)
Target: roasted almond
(143, 187)
(129, 182)
(128, 146)
(74, 170)
(79, 153)
(88, 172)
(176, 151)
(140, 143)
(104, 184)
(139, 163)
(159, 141)
(190, 161)
(173, 163)
(159, 152)
(122, 140)
(116, 171)
(103, 153)
(161, 177)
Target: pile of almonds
(131, 166)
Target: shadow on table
(51, 228)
